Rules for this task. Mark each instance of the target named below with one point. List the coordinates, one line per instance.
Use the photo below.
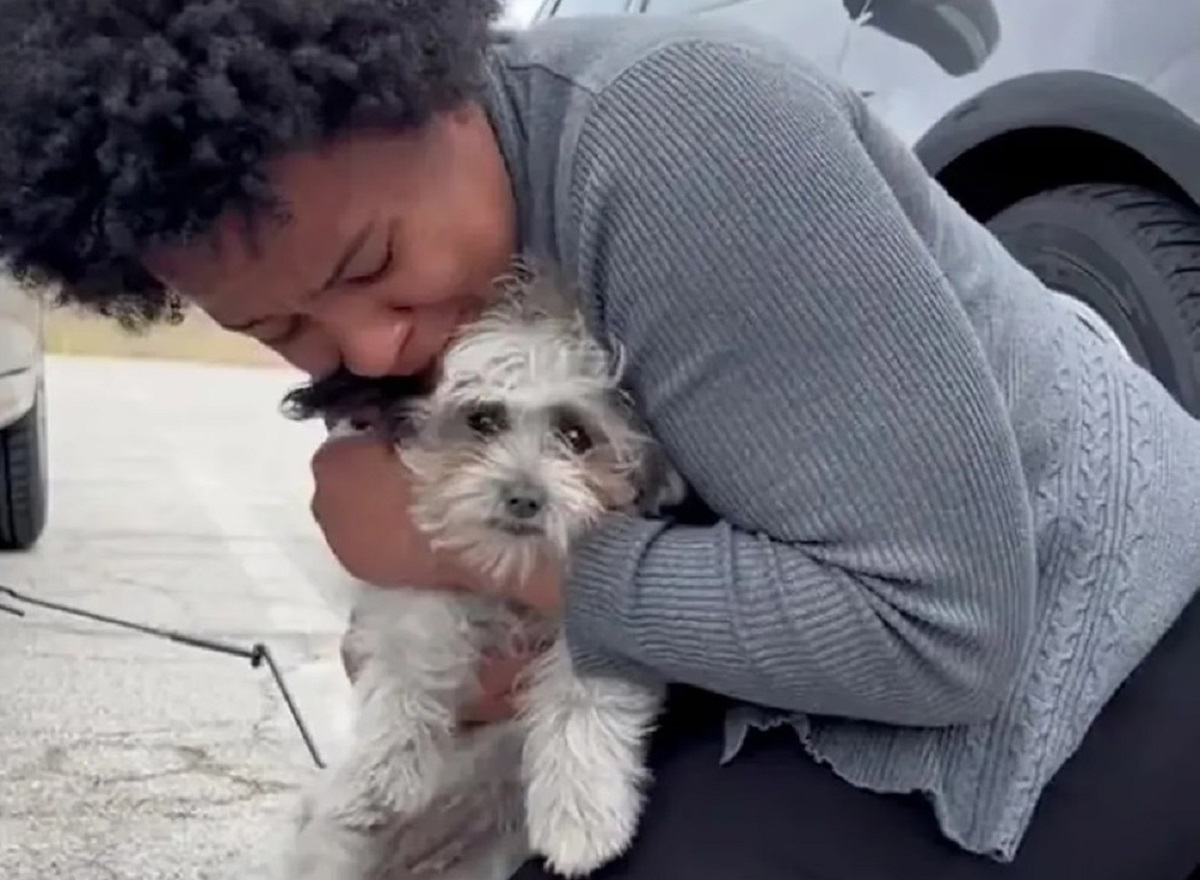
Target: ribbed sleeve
(797, 350)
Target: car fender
(21, 350)
(1146, 119)
(1179, 84)
(18, 392)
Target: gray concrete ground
(179, 497)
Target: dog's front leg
(473, 829)
(418, 654)
(584, 763)
(415, 656)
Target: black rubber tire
(1132, 255)
(23, 483)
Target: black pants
(1125, 807)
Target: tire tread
(22, 493)
(1167, 230)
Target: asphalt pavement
(179, 498)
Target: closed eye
(374, 275)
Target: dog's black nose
(524, 501)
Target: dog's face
(522, 440)
(525, 441)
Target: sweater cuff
(647, 599)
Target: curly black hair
(130, 123)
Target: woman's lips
(418, 355)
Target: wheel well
(1000, 172)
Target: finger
(500, 679)
(358, 450)
(501, 674)
(488, 709)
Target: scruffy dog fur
(520, 446)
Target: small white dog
(520, 446)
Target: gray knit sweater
(952, 518)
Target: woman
(951, 521)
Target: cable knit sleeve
(792, 343)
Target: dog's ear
(386, 402)
(536, 290)
(661, 486)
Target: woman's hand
(500, 680)
(361, 500)
(361, 503)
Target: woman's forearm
(771, 624)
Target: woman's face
(392, 240)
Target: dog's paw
(583, 764)
(581, 821)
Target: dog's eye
(487, 419)
(576, 436)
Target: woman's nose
(369, 343)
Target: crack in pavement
(77, 761)
(112, 750)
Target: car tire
(1130, 254)
(23, 484)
